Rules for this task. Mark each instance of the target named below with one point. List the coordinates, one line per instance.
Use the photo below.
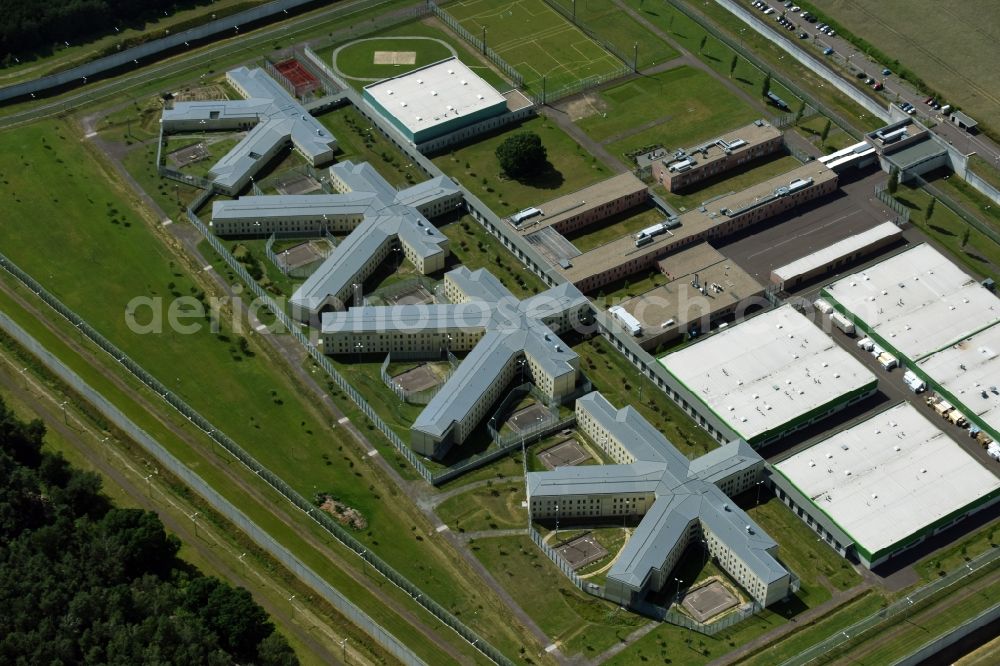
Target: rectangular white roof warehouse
(968, 375)
(770, 375)
(890, 481)
(916, 302)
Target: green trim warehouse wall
(442, 128)
(801, 421)
(871, 559)
(912, 364)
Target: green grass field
(357, 60)
(535, 40)
(621, 383)
(967, 245)
(195, 457)
(433, 33)
(581, 623)
(817, 631)
(474, 248)
(621, 31)
(498, 506)
(814, 562)
(943, 44)
(476, 166)
(116, 256)
(674, 108)
(360, 142)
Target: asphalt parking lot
(852, 209)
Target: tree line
(82, 581)
(32, 26)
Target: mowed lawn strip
(115, 257)
(582, 623)
(801, 551)
(195, 459)
(496, 506)
(475, 165)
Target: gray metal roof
(278, 117)
(685, 492)
(513, 327)
(385, 218)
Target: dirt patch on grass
(343, 514)
(586, 106)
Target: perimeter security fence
(478, 43)
(899, 610)
(272, 479)
(195, 482)
(757, 62)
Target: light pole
(677, 594)
(343, 644)
(65, 415)
(759, 484)
(240, 558)
(24, 370)
(194, 522)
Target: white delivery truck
(867, 344)
(887, 361)
(993, 451)
(823, 306)
(916, 384)
(843, 323)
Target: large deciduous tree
(522, 155)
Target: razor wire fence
(902, 212)
(756, 61)
(477, 43)
(192, 480)
(538, 92)
(959, 210)
(234, 449)
(561, 563)
(904, 607)
(571, 16)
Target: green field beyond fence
(536, 41)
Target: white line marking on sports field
(343, 419)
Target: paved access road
(895, 88)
